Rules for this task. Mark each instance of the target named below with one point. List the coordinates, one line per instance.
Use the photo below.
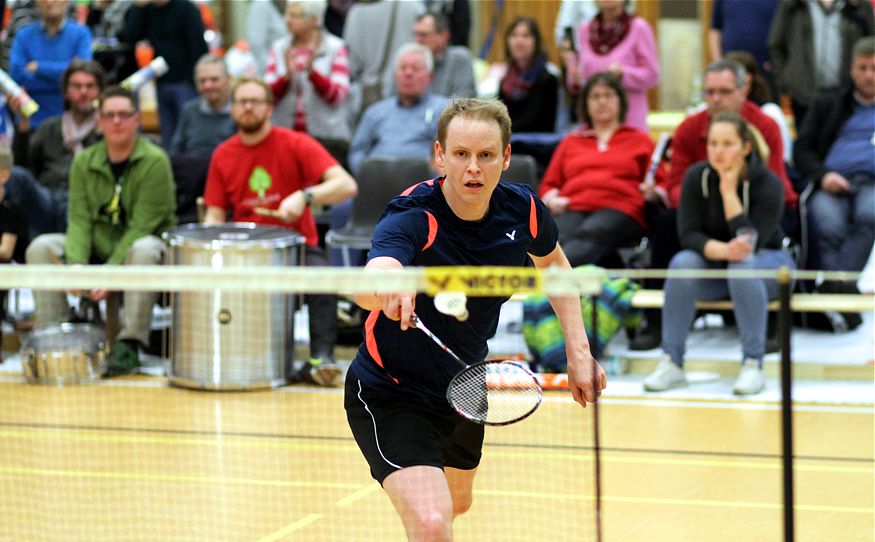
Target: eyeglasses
(718, 91)
(117, 115)
(254, 102)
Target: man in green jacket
(122, 198)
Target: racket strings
(495, 393)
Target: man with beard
(49, 151)
(272, 175)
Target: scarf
(516, 85)
(74, 134)
(605, 36)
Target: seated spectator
(757, 90)
(528, 87)
(622, 44)
(41, 52)
(206, 120)
(49, 150)
(835, 150)
(723, 89)
(729, 218)
(121, 201)
(453, 74)
(294, 173)
(309, 76)
(404, 125)
(591, 184)
(13, 234)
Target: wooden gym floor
(134, 459)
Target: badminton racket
(492, 392)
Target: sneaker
(750, 379)
(323, 373)
(124, 358)
(666, 375)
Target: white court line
(729, 403)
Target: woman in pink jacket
(622, 44)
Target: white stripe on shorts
(376, 437)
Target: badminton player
(422, 452)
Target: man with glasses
(723, 91)
(122, 198)
(453, 74)
(272, 175)
(49, 150)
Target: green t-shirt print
(260, 181)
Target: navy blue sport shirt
(419, 229)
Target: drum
(225, 340)
(64, 354)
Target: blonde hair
(244, 79)
(473, 108)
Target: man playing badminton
(422, 452)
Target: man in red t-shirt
(272, 175)
(723, 90)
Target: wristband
(308, 197)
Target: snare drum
(64, 354)
(227, 340)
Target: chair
(522, 169)
(379, 180)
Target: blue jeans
(845, 226)
(171, 97)
(750, 299)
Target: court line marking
(678, 402)
(292, 527)
(311, 518)
(527, 495)
(488, 451)
(358, 495)
(711, 503)
(147, 476)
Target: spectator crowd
(334, 83)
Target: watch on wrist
(308, 197)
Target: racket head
(495, 392)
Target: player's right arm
(395, 305)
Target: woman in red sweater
(592, 183)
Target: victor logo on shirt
(260, 181)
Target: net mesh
(209, 443)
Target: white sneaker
(666, 375)
(750, 379)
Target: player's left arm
(586, 378)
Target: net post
(785, 323)
(596, 444)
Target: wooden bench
(653, 299)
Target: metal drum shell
(64, 354)
(225, 340)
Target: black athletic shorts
(397, 430)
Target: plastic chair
(522, 169)
(379, 180)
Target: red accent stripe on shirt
(432, 230)
(370, 339)
(533, 218)
(412, 188)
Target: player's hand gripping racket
(491, 392)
